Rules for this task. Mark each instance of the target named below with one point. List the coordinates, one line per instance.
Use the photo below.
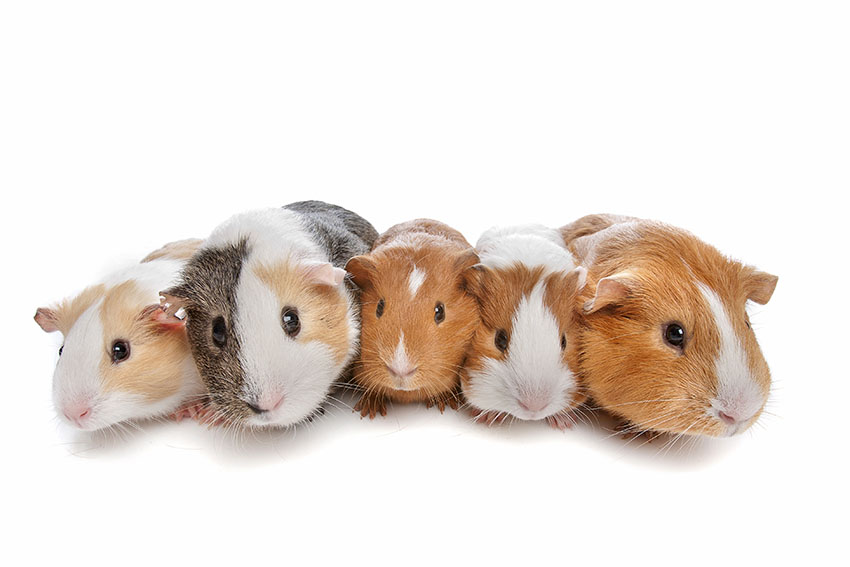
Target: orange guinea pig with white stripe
(665, 341)
(522, 361)
(123, 358)
(417, 318)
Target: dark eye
(747, 321)
(379, 310)
(60, 350)
(219, 332)
(290, 321)
(564, 342)
(674, 334)
(120, 351)
(439, 313)
(502, 340)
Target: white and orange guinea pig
(665, 341)
(521, 363)
(123, 358)
(417, 318)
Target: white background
(125, 125)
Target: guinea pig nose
(726, 418)
(266, 404)
(533, 404)
(402, 372)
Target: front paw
(371, 405)
(488, 418)
(629, 431)
(561, 421)
(445, 399)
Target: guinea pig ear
(47, 319)
(324, 274)
(760, 286)
(474, 279)
(567, 284)
(466, 259)
(361, 268)
(173, 300)
(611, 291)
(157, 315)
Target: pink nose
(726, 418)
(533, 404)
(402, 372)
(76, 414)
(266, 403)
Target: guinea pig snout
(265, 403)
(533, 404)
(78, 413)
(401, 368)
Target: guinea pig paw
(629, 432)
(190, 410)
(371, 406)
(447, 399)
(561, 421)
(488, 417)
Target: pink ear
(160, 316)
(611, 290)
(47, 319)
(324, 274)
(171, 304)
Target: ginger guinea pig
(271, 321)
(665, 341)
(417, 318)
(521, 361)
(123, 357)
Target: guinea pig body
(123, 357)
(665, 341)
(417, 317)
(271, 321)
(520, 361)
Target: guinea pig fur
(521, 361)
(417, 317)
(271, 321)
(123, 357)
(665, 341)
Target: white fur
(533, 370)
(415, 280)
(532, 245)
(77, 380)
(401, 367)
(273, 363)
(738, 394)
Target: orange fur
(178, 250)
(322, 308)
(436, 350)
(624, 362)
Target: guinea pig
(664, 340)
(123, 358)
(417, 319)
(271, 320)
(521, 362)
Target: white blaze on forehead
(415, 281)
(738, 394)
(533, 369)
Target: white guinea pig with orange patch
(521, 362)
(123, 357)
(417, 317)
(665, 342)
(271, 320)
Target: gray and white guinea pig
(123, 357)
(665, 341)
(521, 362)
(417, 320)
(271, 321)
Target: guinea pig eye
(674, 335)
(290, 321)
(120, 351)
(564, 342)
(439, 312)
(219, 332)
(501, 340)
(379, 310)
(60, 350)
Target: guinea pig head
(122, 357)
(269, 339)
(666, 342)
(522, 358)
(417, 320)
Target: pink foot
(488, 417)
(561, 421)
(199, 411)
